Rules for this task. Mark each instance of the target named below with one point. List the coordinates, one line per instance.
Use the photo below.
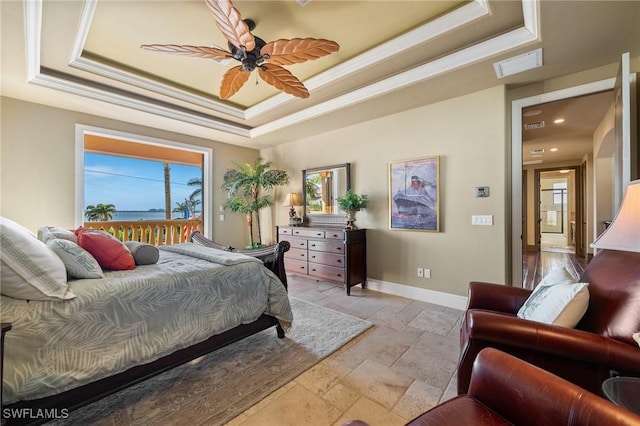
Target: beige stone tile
(371, 412)
(383, 345)
(297, 406)
(341, 396)
(432, 359)
(378, 382)
(419, 398)
(439, 322)
(452, 389)
(323, 376)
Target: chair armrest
(495, 297)
(505, 330)
(524, 394)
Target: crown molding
(463, 16)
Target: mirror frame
(323, 218)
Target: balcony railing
(154, 232)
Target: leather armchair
(506, 390)
(601, 345)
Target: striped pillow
(29, 269)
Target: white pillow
(46, 233)
(29, 269)
(557, 301)
(78, 262)
(557, 276)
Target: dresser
(326, 253)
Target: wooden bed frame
(271, 256)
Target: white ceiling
(394, 56)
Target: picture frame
(414, 194)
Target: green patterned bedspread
(133, 317)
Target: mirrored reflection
(322, 187)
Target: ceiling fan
(253, 52)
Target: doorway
(557, 211)
(520, 226)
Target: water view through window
(136, 187)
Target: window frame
(207, 170)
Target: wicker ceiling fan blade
(297, 50)
(283, 80)
(232, 81)
(187, 50)
(231, 24)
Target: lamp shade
(291, 200)
(624, 232)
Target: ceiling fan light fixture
(517, 64)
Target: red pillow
(110, 252)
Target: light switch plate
(482, 220)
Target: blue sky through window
(134, 184)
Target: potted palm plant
(245, 185)
(351, 203)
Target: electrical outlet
(427, 273)
(420, 272)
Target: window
(142, 178)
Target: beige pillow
(29, 269)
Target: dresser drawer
(296, 254)
(330, 259)
(334, 235)
(299, 243)
(326, 272)
(331, 246)
(295, 266)
(312, 233)
(285, 231)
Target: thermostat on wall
(482, 191)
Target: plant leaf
(231, 24)
(186, 50)
(232, 81)
(297, 50)
(282, 79)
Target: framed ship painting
(414, 194)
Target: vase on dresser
(351, 218)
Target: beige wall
(37, 173)
(468, 133)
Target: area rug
(217, 387)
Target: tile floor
(397, 369)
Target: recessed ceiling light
(553, 149)
(532, 113)
(518, 64)
(564, 171)
(537, 151)
(558, 120)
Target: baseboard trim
(421, 294)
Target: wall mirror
(320, 191)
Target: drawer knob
(313, 257)
(301, 254)
(338, 248)
(319, 234)
(339, 260)
(313, 245)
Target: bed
(133, 324)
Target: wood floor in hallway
(535, 265)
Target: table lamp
(624, 232)
(292, 200)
